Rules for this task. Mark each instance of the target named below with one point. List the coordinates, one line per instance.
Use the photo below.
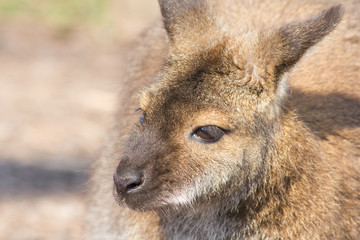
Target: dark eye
(208, 134)
(142, 118)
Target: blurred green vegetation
(57, 13)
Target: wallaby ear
(298, 37)
(183, 17)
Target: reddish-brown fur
(286, 165)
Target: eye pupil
(202, 133)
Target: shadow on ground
(19, 180)
(328, 114)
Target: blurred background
(60, 64)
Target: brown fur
(287, 164)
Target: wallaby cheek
(211, 166)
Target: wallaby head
(207, 123)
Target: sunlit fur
(282, 78)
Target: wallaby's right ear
(184, 17)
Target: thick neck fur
(265, 210)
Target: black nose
(129, 181)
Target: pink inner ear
(254, 77)
(237, 62)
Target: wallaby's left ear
(298, 37)
(185, 18)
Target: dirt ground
(57, 96)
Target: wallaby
(240, 131)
